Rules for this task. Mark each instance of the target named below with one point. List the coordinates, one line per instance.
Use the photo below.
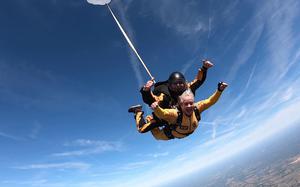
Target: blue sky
(67, 77)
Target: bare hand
(207, 64)
(154, 105)
(148, 85)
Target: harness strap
(172, 127)
(168, 132)
(197, 114)
(185, 134)
(179, 118)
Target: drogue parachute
(98, 2)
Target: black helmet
(176, 77)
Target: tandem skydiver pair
(175, 113)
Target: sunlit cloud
(277, 59)
(182, 17)
(9, 136)
(296, 160)
(245, 91)
(285, 15)
(269, 73)
(90, 147)
(156, 155)
(246, 52)
(61, 166)
(40, 182)
(35, 130)
(288, 94)
(134, 165)
(291, 63)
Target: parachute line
(129, 42)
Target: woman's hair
(186, 93)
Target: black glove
(219, 86)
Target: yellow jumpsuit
(188, 124)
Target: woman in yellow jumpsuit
(182, 121)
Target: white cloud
(280, 33)
(296, 160)
(134, 165)
(191, 62)
(156, 155)
(86, 142)
(61, 166)
(288, 94)
(35, 130)
(275, 23)
(267, 86)
(90, 147)
(5, 135)
(40, 182)
(291, 64)
(98, 2)
(245, 91)
(246, 51)
(181, 16)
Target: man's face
(187, 105)
(178, 86)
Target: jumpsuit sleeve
(169, 115)
(199, 79)
(205, 104)
(147, 96)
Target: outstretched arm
(147, 95)
(205, 104)
(169, 115)
(201, 76)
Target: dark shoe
(135, 109)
